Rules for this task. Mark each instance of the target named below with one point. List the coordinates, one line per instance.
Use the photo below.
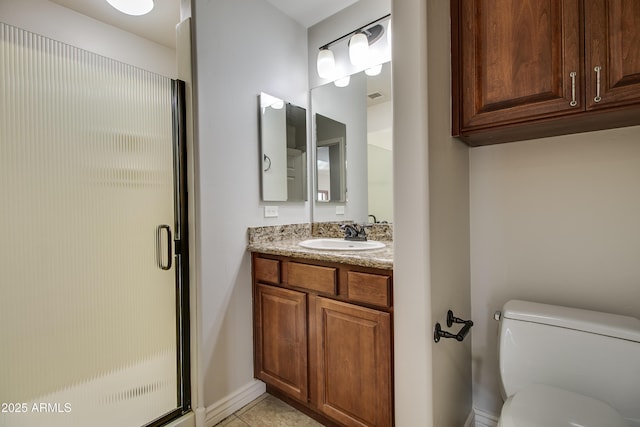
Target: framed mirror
(283, 150)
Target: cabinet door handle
(573, 102)
(597, 69)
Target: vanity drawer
(312, 277)
(369, 288)
(266, 270)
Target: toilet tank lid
(613, 325)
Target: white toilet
(563, 366)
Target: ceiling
(310, 12)
(159, 24)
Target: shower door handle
(162, 265)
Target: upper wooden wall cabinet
(524, 69)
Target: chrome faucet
(354, 232)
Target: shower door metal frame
(181, 255)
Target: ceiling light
(132, 7)
(343, 82)
(373, 71)
(359, 49)
(326, 63)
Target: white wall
(556, 221)
(380, 117)
(431, 223)
(412, 285)
(379, 180)
(65, 25)
(380, 160)
(243, 47)
(449, 225)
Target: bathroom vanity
(323, 331)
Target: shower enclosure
(93, 262)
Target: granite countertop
(283, 240)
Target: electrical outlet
(339, 210)
(270, 211)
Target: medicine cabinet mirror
(283, 156)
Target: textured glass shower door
(89, 298)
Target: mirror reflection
(363, 109)
(331, 171)
(283, 141)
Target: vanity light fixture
(359, 49)
(389, 33)
(343, 82)
(359, 42)
(373, 71)
(132, 7)
(326, 63)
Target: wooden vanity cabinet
(323, 338)
(281, 339)
(354, 363)
(524, 69)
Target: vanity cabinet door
(353, 363)
(280, 335)
(612, 33)
(518, 61)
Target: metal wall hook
(451, 319)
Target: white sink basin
(341, 245)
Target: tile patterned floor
(267, 411)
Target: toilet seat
(539, 405)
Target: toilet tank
(587, 352)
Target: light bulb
(326, 64)
(132, 7)
(373, 71)
(359, 49)
(267, 101)
(343, 82)
(389, 33)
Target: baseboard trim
(230, 404)
(484, 419)
(470, 419)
